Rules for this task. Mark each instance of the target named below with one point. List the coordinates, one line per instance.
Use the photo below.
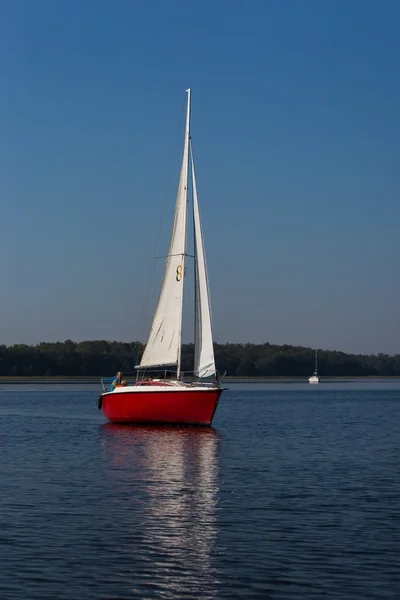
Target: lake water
(294, 493)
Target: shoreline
(60, 379)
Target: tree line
(103, 358)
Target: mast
(316, 361)
(186, 157)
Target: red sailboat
(174, 400)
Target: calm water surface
(295, 493)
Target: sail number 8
(179, 272)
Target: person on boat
(116, 381)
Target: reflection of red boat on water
(163, 400)
(124, 441)
(152, 447)
(165, 482)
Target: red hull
(189, 407)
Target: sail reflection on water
(173, 478)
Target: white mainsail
(204, 362)
(165, 340)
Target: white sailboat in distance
(315, 378)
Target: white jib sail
(204, 362)
(165, 340)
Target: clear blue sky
(296, 132)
